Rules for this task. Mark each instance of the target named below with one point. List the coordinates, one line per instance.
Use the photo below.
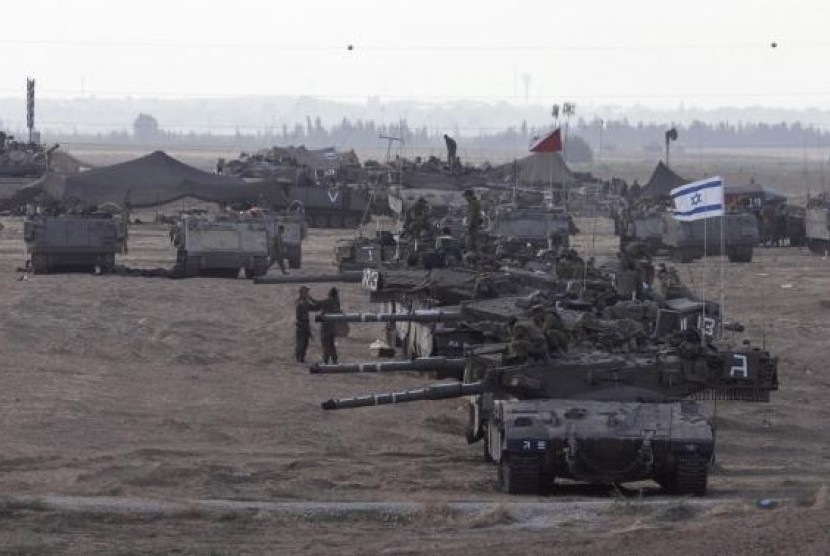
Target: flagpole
(703, 287)
(721, 311)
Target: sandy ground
(183, 390)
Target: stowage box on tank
(74, 242)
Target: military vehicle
(221, 245)
(592, 417)
(74, 241)
(687, 241)
(817, 224)
(323, 184)
(533, 225)
(22, 160)
(363, 252)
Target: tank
(22, 160)
(598, 417)
(83, 242)
(221, 245)
(687, 241)
(322, 183)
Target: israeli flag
(698, 200)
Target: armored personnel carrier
(687, 241)
(83, 242)
(592, 417)
(221, 245)
(534, 225)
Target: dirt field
(140, 389)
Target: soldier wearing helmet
(305, 304)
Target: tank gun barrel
(417, 316)
(432, 392)
(435, 364)
(348, 276)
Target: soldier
(526, 341)
(328, 330)
(551, 325)
(452, 147)
(556, 242)
(416, 219)
(279, 248)
(305, 304)
(474, 220)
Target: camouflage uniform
(527, 341)
(279, 251)
(551, 325)
(328, 330)
(416, 220)
(305, 304)
(474, 221)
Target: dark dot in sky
(350, 47)
(774, 44)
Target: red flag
(549, 143)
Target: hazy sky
(660, 53)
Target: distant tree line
(582, 138)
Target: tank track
(691, 475)
(521, 474)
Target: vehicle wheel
(520, 474)
(689, 476)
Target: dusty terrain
(139, 390)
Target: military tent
(538, 170)
(147, 181)
(661, 182)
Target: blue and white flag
(698, 200)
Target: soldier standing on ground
(328, 330)
(305, 304)
(474, 220)
(279, 248)
(452, 147)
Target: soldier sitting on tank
(570, 266)
(552, 326)
(557, 242)
(416, 219)
(474, 220)
(629, 285)
(448, 248)
(527, 342)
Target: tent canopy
(150, 180)
(661, 182)
(538, 170)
